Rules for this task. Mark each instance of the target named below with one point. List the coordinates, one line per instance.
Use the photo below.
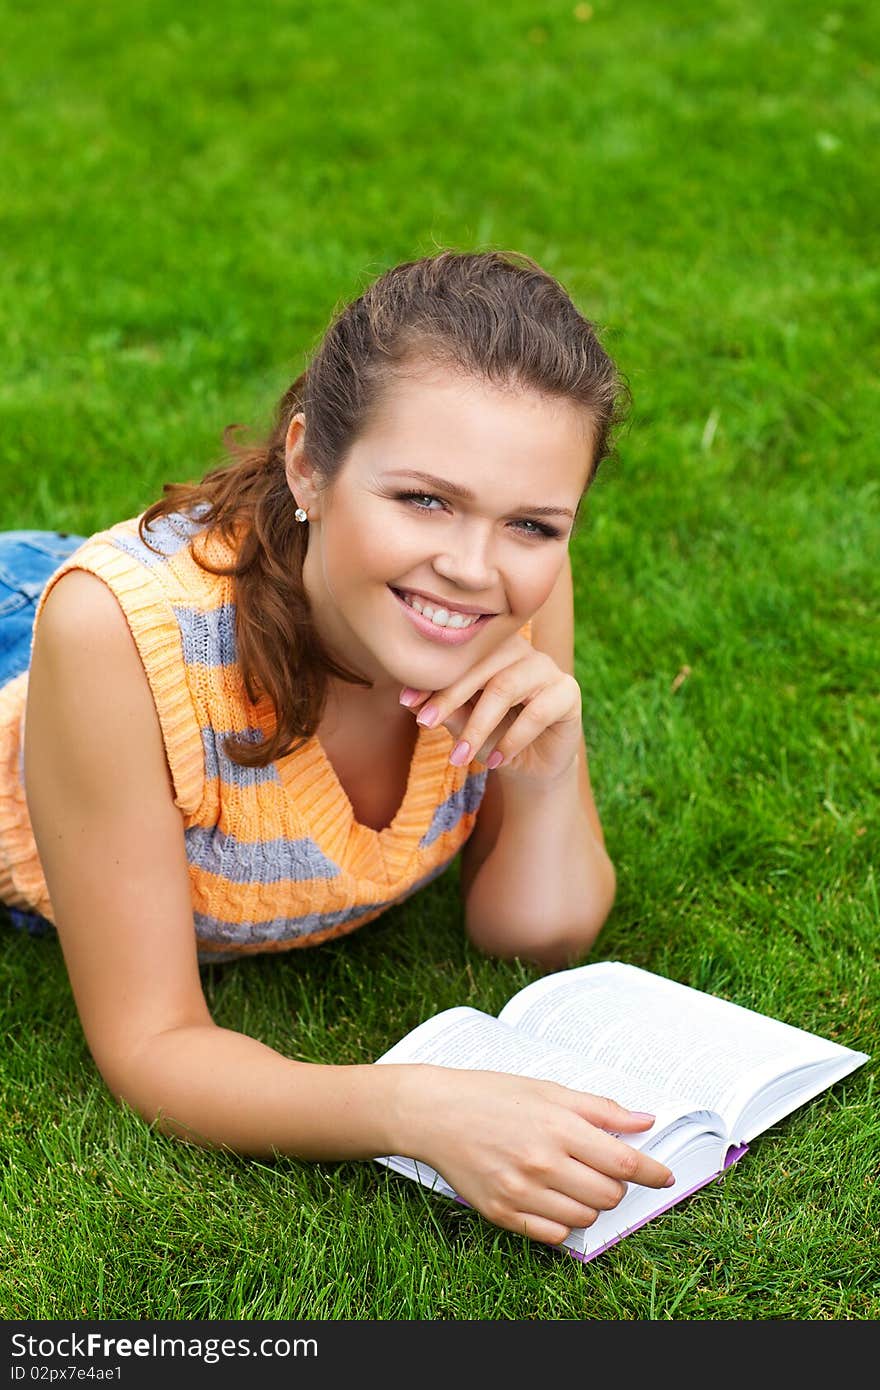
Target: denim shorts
(28, 559)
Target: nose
(468, 561)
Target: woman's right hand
(531, 1156)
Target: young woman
(284, 698)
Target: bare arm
(112, 847)
(535, 875)
(111, 844)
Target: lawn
(188, 195)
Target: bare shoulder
(81, 604)
(84, 656)
(109, 836)
(80, 619)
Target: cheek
(535, 588)
(354, 551)
(380, 557)
(384, 552)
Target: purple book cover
(732, 1156)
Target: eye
(418, 498)
(539, 528)
(422, 502)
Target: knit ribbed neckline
(310, 780)
(340, 791)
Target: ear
(301, 477)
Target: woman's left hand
(515, 702)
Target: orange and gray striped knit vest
(276, 857)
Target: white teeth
(441, 617)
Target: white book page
(665, 1035)
(475, 1041)
(689, 1140)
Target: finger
(556, 1205)
(413, 699)
(512, 649)
(456, 720)
(618, 1160)
(480, 751)
(537, 1228)
(636, 1120)
(513, 686)
(495, 676)
(582, 1183)
(608, 1114)
(554, 704)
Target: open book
(713, 1073)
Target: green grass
(187, 197)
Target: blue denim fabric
(28, 559)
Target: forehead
(478, 433)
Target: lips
(446, 636)
(435, 603)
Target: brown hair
(495, 315)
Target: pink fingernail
(641, 1114)
(494, 760)
(670, 1181)
(427, 716)
(460, 754)
(408, 696)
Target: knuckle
(497, 1211)
(608, 1108)
(532, 714)
(629, 1163)
(512, 1188)
(616, 1194)
(518, 1188)
(606, 1195)
(502, 683)
(535, 1167)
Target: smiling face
(488, 533)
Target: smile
(441, 624)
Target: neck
(357, 701)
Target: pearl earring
(301, 515)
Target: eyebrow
(464, 494)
